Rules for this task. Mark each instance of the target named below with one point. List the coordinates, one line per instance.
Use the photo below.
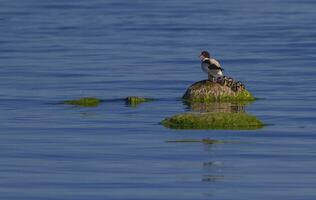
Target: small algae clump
(86, 102)
(208, 91)
(134, 100)
(228, 121)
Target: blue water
(56, 50)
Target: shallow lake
(51, 51)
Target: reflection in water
(88, 114)
(212, 164)
(216, 107)
(212, 178)
(212, 168)
(204, 141)
(213, 171)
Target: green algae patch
(207, 91)
(204, 141)
(134, 100)
(225, 121)
(244, 97)
(85, 102)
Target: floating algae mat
(86, 102)
(134, 100)
(228, 121)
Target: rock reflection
(212, 171)
(212, 164)
(212, 178)
(227, 107)
(204, 141)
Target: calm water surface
(52, 51)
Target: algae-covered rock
(86, 102)
(229, 121)
(134, 100)
(208, 91)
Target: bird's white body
(212, 73)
